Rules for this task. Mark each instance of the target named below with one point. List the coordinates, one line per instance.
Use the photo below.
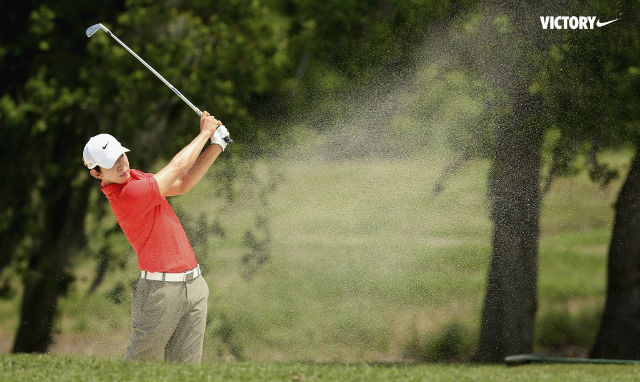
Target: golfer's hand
(208, 124)
(221, 137)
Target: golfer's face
(119, 173)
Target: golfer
(169, 308)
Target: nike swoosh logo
(105, 146)
(599, 24)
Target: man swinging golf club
(169, 307)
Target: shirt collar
(113, 187)
(108, 189)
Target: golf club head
(93, 29)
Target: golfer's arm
(181, 163)
(186, 182)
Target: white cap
(102, 150)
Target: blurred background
(411, 180)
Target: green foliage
(451, 343)
(558, 328)
(6, 290)
(222, 56)
(119, 293)
(588, 84)
(259, 248)
(347, 45)
(229, 347)
(200, 229)
(259, 238)
(445, 109)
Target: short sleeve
(143, 192)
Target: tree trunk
(619, 332)
(511, 298)
(46, 278)
(38, 308)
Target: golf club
(94, 28)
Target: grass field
(357, 261)
(77, 368)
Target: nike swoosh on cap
(105, 145)
(599, 24)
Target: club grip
(227, 138)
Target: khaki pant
(168, 320)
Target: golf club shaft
(192, 106)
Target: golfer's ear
(95, 174)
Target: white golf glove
(219, 136)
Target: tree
(43, 203)
(62, 88)
(619, 332)
(590, 86)
(492, 57)
(344, 47)
(510, 304)
(498, 45)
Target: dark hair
(97, 168)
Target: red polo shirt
(150, 224)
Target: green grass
(365, 261)
(75, 368)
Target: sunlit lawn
(363, 259)
(75, 368)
